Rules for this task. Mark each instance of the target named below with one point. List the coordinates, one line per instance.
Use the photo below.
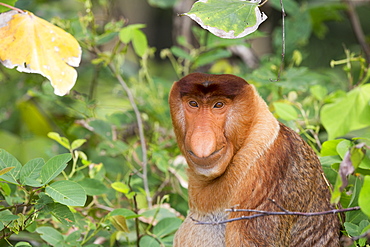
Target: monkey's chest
(192, 233)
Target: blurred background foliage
(150, 47)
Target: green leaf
(126, 34)
(329, 148)
(348, 113)
(92, 186)
(227, 18)
(364, 198)
(166, 226)
(31, 171)
(343, 147)
(181, 53)
(6, 216)
(50, 235)
(77, 143)
(149, 241)
(119, 223)
(211, 56)
(352, 229)
(128, 214)
(23, 244)
(63, 214)
(6, 161)
(67, 192)
(139, 42)
(54, 167)
(285, 111)
(120, 187)
(319, 92)
(61, 140)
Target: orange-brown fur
(240, 155)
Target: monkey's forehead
(206, 84)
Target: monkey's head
(211, 115)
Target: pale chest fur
(191, 234)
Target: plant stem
(144, 164)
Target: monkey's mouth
(208, 161)
(215, 152)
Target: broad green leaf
(139, 42)
(352, 229)
(7, 160)
(93, 187)
(149, 241)
(329, 148)
(348, 113)
(67, 192)
(63, 214)
(7, 216)
(343, 147)
(120, 187)
(54, 167)
(126, 34)
(166, 226)
(50, 235)
(77, 143)
(61, 140)
(364, 198)
(285, 111)
(127, 213)
(31, 171)
(319, 92)
(227, 18)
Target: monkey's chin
(212, 166)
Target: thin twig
(13, 8)
(261, 213)
(357, 29)
(283, 42)
(144, 164)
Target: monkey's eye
(218, 105)
(193, 103)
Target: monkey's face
(203, 108)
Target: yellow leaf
(37, 46)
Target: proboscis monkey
(240, 156)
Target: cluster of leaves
(122, 179)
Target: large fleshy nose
(203, 142)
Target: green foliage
(115, 123)
(227, 18)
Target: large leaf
(54, 167)
(11, 166)
(67, 192)
(50, 235)
(348, 113)
(31, 171)
(364, 198)
(227, 18)
(34, 45)
(166, 226)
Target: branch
(261, 213)
(144, 164)
(357, 29)
(283, 14)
